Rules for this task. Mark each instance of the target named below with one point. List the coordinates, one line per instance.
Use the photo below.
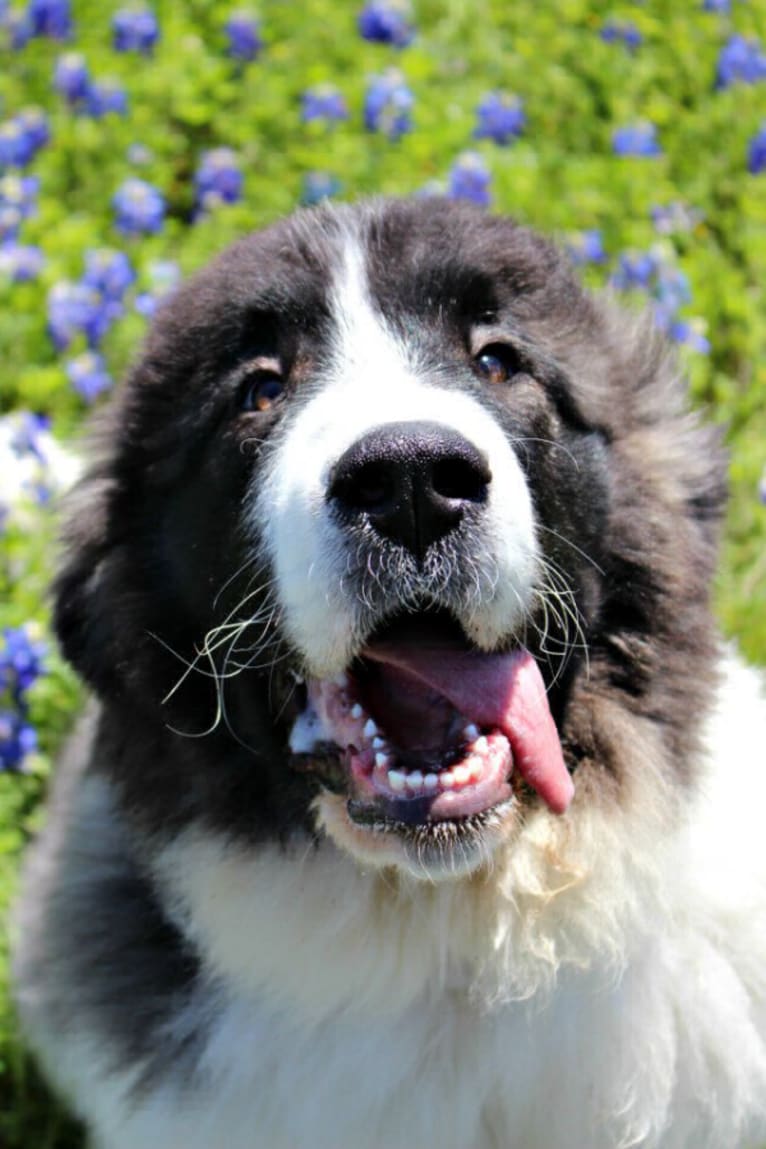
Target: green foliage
(561, 175)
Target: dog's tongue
(505, 691)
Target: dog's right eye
(262, 390)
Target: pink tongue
(501, 690)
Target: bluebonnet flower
(18, 30)
(674, 217)
(135, 30)
(18, 739)
(716, 5)
(51, 18)
(636, 140)
(621, 32)
(106, 97)
(586, 247)
(139, 154)
(318, 186)
(690, 333)
(671, 288)
(109, 272)
(635, 270)
(323, 102)
(10, 222)
(139, 207)
(218, 179)
(21, 263)
(88, 375)
(20, 193)
(243, 33)
(740, 61)
(500, 118)
(75, 309)
(387, 22)
(71, 78)
(21, 659)
(756, 152)
(21, 138)
(31, 460)
(164, 277)
(469, 178)
(388, 105)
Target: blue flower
(139, 207)
(716, 5)
(18, 30)
(756, 152)
(21, 263)
(218, 179)
(621, 31)
(690, 334)
(674, 217)
(19, 193)
(500, 118)
(21, 660)
(469, 179)
(51, 18)
(108, 272)
(88, 375)
(388, 105)
(587, 247)
(387, 23)
(323, 102)
(164, 277)
(22, 137)
(75, 309)
(318, 186)
(71, 78)
(18, 739)
(106, 97)
(243, 33)
(135, 30)
(635, 270)
(636, 140)
(740, 61)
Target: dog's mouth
(424, 729)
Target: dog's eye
(263, 390)
(497, 363)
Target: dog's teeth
(480, 745)
(381, 759)
(415, 780)
(356, 711)
(461, 775)
(370, 729)
(431, 781)
(474, 768)
(378, 743)
(471, 732)
(396, 780)
(446, 779)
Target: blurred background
(136, 140)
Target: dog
(419, 803)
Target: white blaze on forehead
(376, 377)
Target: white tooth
(460, 774)
(474, 768)
(356, 711)
(370, 729)
(381, 759)
(446, 779)
(397, 780)
(415, 780)
(471, 731)
(431, 781)
(480, 745)
(378, 743)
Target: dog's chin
(427, 851)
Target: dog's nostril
(370, 488)
(458, 478)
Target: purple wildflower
(689, 334)
(164, 277)
(323, 102)
(318, 186)
(22, 137)
(387, 23)
(21, 659)
(716, 5)
(756, 152)
(51, 18)
(500, 118)
(108, 272)
(621, 32)
(18, 738)
(139, 207)
(106, 97)
(135, 30)
(587, 247)
(75, 309)
(469, 179)
(21, 263)
(740, 61)
(243, 32)
(19, 193)
(218, 179)
(71, 78)
(674, 217)
(636, 140)
(388, 105)
(17, 28)
(635, 270)
(88, 375)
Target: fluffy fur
(211, 951)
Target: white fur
(375, 379)
(604, 988)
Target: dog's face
(386, 504)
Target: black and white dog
(421, 807)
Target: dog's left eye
(497, 363)
(263, 389)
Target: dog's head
(386, 512)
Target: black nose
(413, 482)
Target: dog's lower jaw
(443, 852)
